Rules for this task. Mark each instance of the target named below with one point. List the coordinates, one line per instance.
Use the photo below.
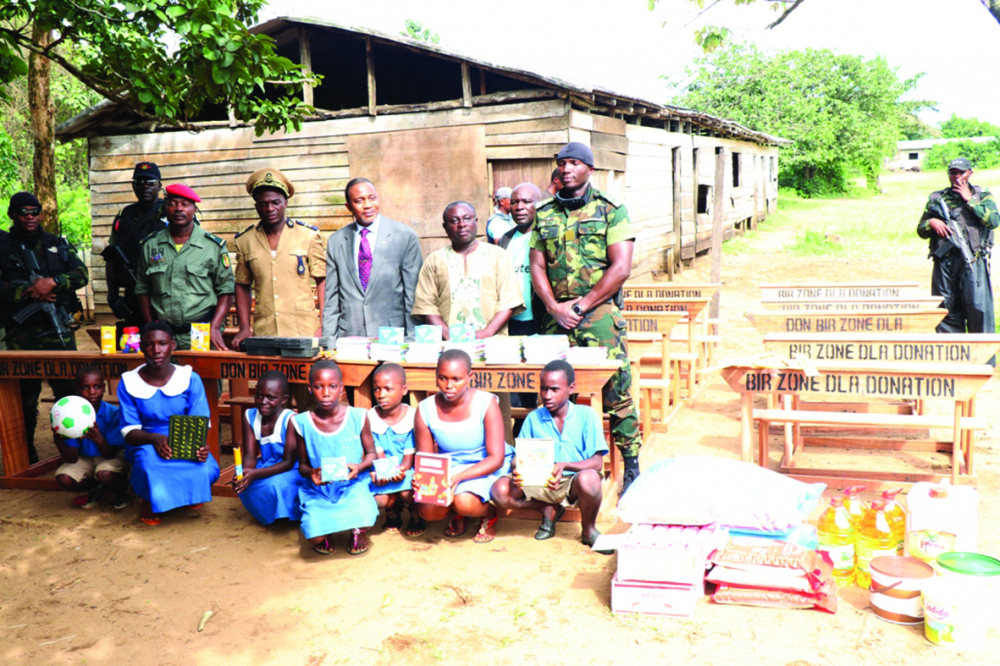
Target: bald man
(517, 244)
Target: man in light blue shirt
(580, 448)
(500, 222)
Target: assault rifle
(124, 270)
(59, 319)
(955, 240)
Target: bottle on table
(837, 538)
(875, 539)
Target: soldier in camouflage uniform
(581, 254)
(966, 290)
(62, 274)
(185, 275)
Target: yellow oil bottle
(896, 516)
(855, 506)
(875, 539)
(837, 538)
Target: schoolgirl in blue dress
(329, 432)
(466, 424)
(391, 423)
(148, 397)
(271, 481)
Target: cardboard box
(667, 553)
(201, 337)
(432, 479)
(108, 340)
(535, 460)
(655, 598)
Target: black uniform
(130, 226)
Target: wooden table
(856, 379)
(234, 366)
(871, 304)
(95, 334)
(977, 348)
(832, 291)
(860, 322)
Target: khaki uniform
(184, 286)
(282, 283)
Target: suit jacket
(388, 301)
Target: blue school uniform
(108, 423)
(582, 436)
(465, 443)
(166, 484)
(275, 496)
(393, 440)
(340, 505)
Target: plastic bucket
(961, 602)
(896, 587)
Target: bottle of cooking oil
(837, 538)
(896, 516)
(875, 539)
(855, 506)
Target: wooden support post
(370, 56)
(717, 221)
(746, 428)
(305, 59)
(466, 86)
(956, 447)
(482, 82)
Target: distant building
(911, 154)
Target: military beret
(576, 151)
(182, 191)
(961, 164)
(146, 171)
(23, 200)
(270, 178)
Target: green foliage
(124, 55)
(982, 154)
(711, 37)
(10, 181)
(964, 128)
(416, 30)
(74, 215)
(842, 112)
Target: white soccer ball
(72, 416)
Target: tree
(416, 30)
(842, 112)
(964, 128)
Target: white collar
(379, 426)
(373, 227)
(177, 384)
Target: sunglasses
(145, 182)
(29, 212)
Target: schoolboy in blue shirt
(95, 462)
(579, 447)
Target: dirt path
(98, 587)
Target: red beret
(182, 191)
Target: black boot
(631, 464)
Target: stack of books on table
(353, 348)
(424, 352)
(540, 349)
(586, 355)
(502, 349)
(391, 345)
(476, 349)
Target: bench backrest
(886, 347)
(862, 321)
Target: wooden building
(429, 126)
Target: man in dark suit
(372, 266)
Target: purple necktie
(364, 259)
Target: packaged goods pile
(354, 348)
(540, 349)
(502, 349)
(475, 349)
(424, 352)
(285, 346)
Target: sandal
(195, 507)
(457, 526)
(324, 547)
(547, 529)
(359, 543)
(393, 521)
(147, 516)
(487, 530)
(416, 526)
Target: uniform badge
(302, 264)
(225, 260)
(157, 257)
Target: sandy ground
(99, 587)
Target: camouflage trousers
(30, 338)
(604, 326)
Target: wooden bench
(794, 380)
(872, 304)
(859, 322)
(839, 291)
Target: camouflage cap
(961, 164)
(270, 178)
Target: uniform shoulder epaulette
(147, 237)
(307, 226)
(221, 242)
(545, 203)
(244, 231)
(607, 197)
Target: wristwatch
(577, 310)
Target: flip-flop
(547, 529)
(452, 530)
(147, 516)
(416, 526)
(393, 521)
(195, 507)
(484, 524)
(324, 547)
(355, 548)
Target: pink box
(655, 598)
(666, 553)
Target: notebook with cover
(187, 435)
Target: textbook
(535, 460)
(386, 468)
(187, 435)
(334, 468)
(432, 479)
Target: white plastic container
(940, 518)
(962, 602)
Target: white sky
(620, 45)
